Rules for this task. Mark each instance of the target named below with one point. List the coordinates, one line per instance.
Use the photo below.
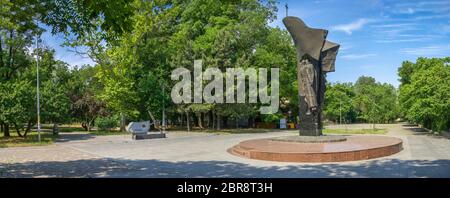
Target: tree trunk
(55, 130)
(213, 120)
(224, 121)
(6, 130)
(84, 125)
(187, 121)
(218, 122)
(1, 60)
(11, 57)
(29, 125)
(199, 120)
(155, 122)
(181, 120)
(122, 123)
(17, 130)
(206, 119)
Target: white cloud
(421, 6)
(350, 27)
(344, 47)
(395, 25)
(433, 50)
(445, 29)
(357, 56)
(434, 16)
(407, 38)
(405, 11)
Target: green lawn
(64, 128)
(325, 131)
(103, 133)
(30, 140)
(47, 138)
(236, 131)
(354, 131)
(74, 128)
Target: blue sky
(375, 35)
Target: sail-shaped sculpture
(315, 57)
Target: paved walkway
(204, 155)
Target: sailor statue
(315, 57)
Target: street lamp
(164, 110)
(340, 110)
(37, 91)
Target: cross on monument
(286, 6)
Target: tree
(425, 92)
(89, 108)
(375, 102)
(170, 34)
(339, 103)
(15, 103)
(18, 26)
(83, 89)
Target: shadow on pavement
(67, 137)
(421, 131)
(156, 168)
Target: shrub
(106, 123)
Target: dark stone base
(311, 139)
(309, 123)
(143, 136)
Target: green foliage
(425, 92)
(77, 16)
(15, 101)
(339, 103)
(375, 102)
(136, 44)
(272, 118)
(106, 123)
(171, 34)
(355, 131)
(367, 100)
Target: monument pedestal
(313, 149)
(309, 124)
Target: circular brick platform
(354, 148)
(311, 139)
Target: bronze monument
(315, 57)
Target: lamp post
(37, 91)
(340, 111)
(164, 110)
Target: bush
(106, 123)
(273, 118)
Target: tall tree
(375, 102)
(339, 103)
(425, 92)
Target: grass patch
(64, 128)
(354, 131)
(104, 133)
(30, 140)
(237, 131)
